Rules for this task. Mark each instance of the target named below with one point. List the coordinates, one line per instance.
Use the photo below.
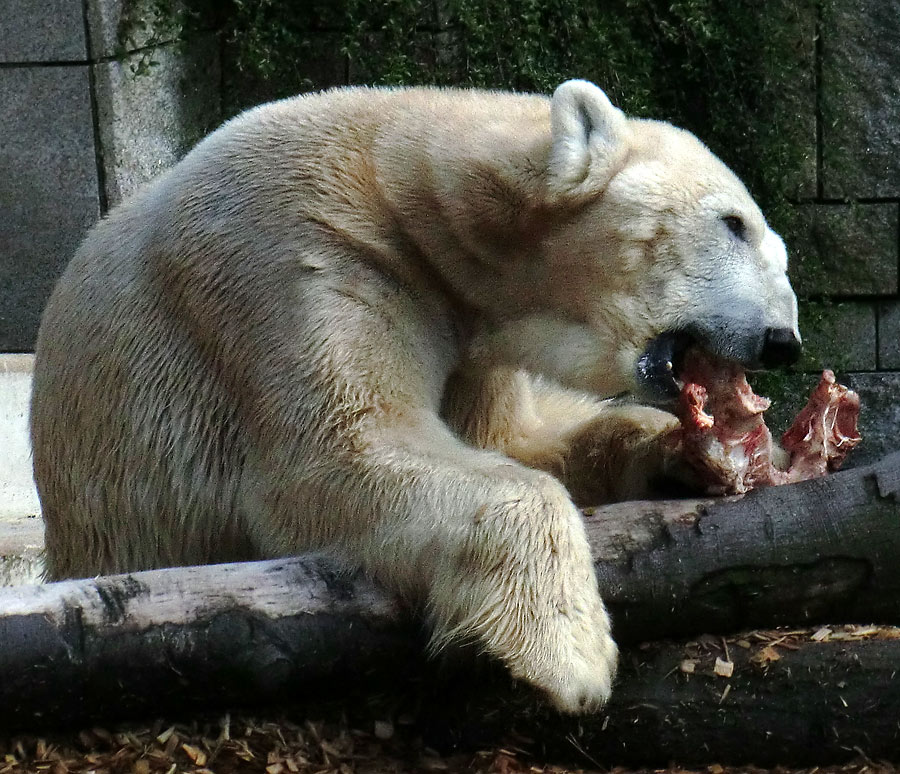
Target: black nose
(781, 348)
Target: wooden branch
(266, 631)
(121, 645)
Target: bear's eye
(736, 226)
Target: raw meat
(725, 440)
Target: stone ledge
(21, 527)
(21, 552)
(18, 497)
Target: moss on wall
(739, 74)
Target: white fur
(589, 138)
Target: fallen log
(122, 645)
(267, 631)
(819, 550)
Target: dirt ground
(291, 746)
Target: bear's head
(655, 245)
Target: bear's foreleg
(603, 452)
(501, 551)
(353, 457)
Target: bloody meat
(725, 440)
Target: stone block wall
(80, 129)
(846, 252)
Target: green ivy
(738, 74)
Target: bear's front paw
(574, 658)
(525, 587)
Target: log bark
(269, 631)
(120, 646)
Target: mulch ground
(285, 746)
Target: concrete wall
(79, 130)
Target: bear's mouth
(660, 366)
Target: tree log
(819, 703)
(823, 550)
(820, 550)
(122, 645)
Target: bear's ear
(589, 139)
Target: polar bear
(383, 323)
